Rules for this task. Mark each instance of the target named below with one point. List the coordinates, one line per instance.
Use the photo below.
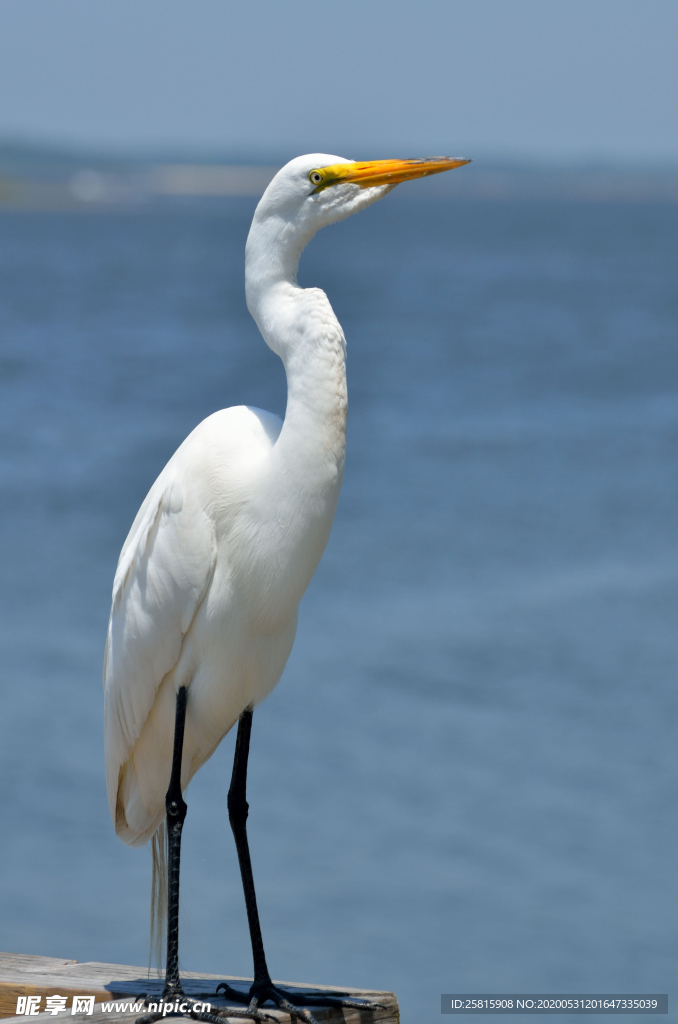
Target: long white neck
(300, 326)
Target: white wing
(163, 574)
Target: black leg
(263, 988)
(175, 807)
(238, 809)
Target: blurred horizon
(25, 146)
(40, 175)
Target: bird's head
(318, 189)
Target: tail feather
(159, 894)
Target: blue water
(466, 780)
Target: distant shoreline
(34, 177)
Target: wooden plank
(46, 976)
(21, 962)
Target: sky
(546, 79)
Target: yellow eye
(315, 177)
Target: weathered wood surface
(46, 976)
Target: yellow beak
(382, 172)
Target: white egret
(209, 580)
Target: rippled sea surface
(466, 779)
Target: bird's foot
(176, 1003)
(292, 1003)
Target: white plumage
(210, 577)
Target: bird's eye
(315, 177)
